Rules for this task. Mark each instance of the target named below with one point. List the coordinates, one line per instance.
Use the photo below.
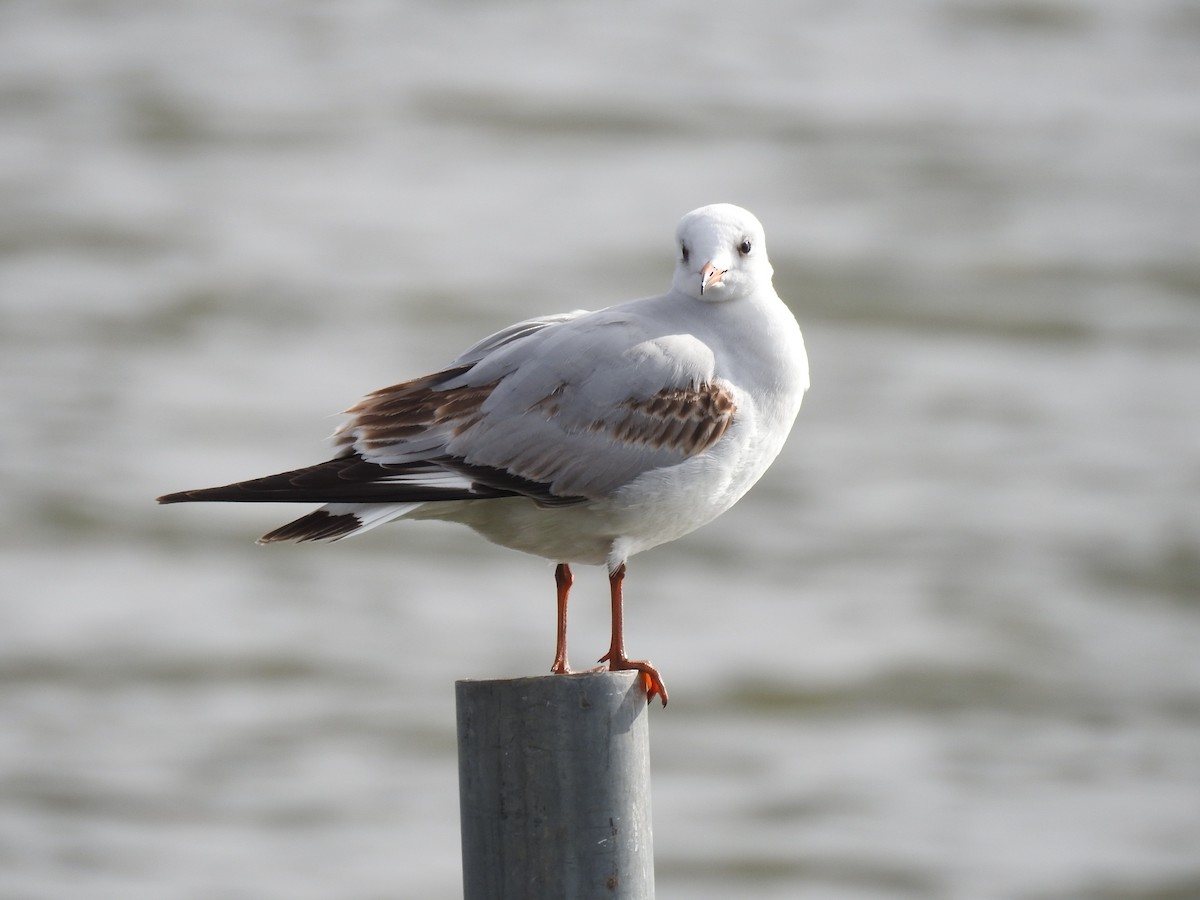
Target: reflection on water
(946, 649)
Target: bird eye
(683, 249)
(744, 247)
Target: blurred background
(947, 648)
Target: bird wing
(529, 411)
(526, 412)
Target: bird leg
(615, 657)
(564, 579)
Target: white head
(720, 254)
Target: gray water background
(947, 648)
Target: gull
(583, 437)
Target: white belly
(658, 506)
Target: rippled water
(946, 649)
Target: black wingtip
(228, 492)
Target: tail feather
(336, 521)
(316, 526)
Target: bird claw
(651, 681)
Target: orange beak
(710, 275)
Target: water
(946, 649)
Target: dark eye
(744, 247)
(684, 250)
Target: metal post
(554, 788)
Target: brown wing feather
(687, 420)
(408, 409)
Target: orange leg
(615, 657)
(564, 579)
